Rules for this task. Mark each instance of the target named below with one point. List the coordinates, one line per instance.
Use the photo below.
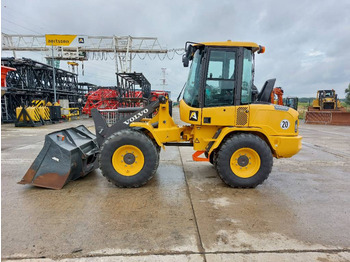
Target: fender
(281, 146)
(149, 128)
(227, 130)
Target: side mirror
(185, 61)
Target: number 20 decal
(284, 124)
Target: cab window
(220, 79)
(247, 77)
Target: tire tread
(149, 144)
(266, 164)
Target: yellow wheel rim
(245, 162)
(128, 160)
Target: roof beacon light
(261, 49)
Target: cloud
(306, 42)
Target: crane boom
(122, 46)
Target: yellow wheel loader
(230, 123)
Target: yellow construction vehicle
(326, 100)
(230, 124)
(327, 110)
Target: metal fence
(113, 115)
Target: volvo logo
(135, 117)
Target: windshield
(291, 102)
(326, 93)
(192, 84)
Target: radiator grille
(242, 116)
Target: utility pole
(54, 77)
(163, 79)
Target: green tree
(347, 95)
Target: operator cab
(221, 74)
(326, 93)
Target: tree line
(347, 95)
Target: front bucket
(67, 155)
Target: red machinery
(100, 99)
(4, 70)
(277, 91)
(104, 98)
(156, 93)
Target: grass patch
(302, 108)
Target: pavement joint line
(20, 147)
(323, 131)
(175, 253)
(324, 149)
(202, 250)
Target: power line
(164, 83)
(25, 16)
(19, 25)
(106, 69)
(9, 30)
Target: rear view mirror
(185, 60)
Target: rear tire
(129, 158)
(212, 157)
(244, 161)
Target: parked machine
(326, 100)
(292, 102)
(327, 110)
(228, 125)
(277, 96)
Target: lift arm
(103, 131)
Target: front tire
(129, 158)
(244, 161)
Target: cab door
(219, 87)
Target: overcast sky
(307, 42)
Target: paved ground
(301, 213)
